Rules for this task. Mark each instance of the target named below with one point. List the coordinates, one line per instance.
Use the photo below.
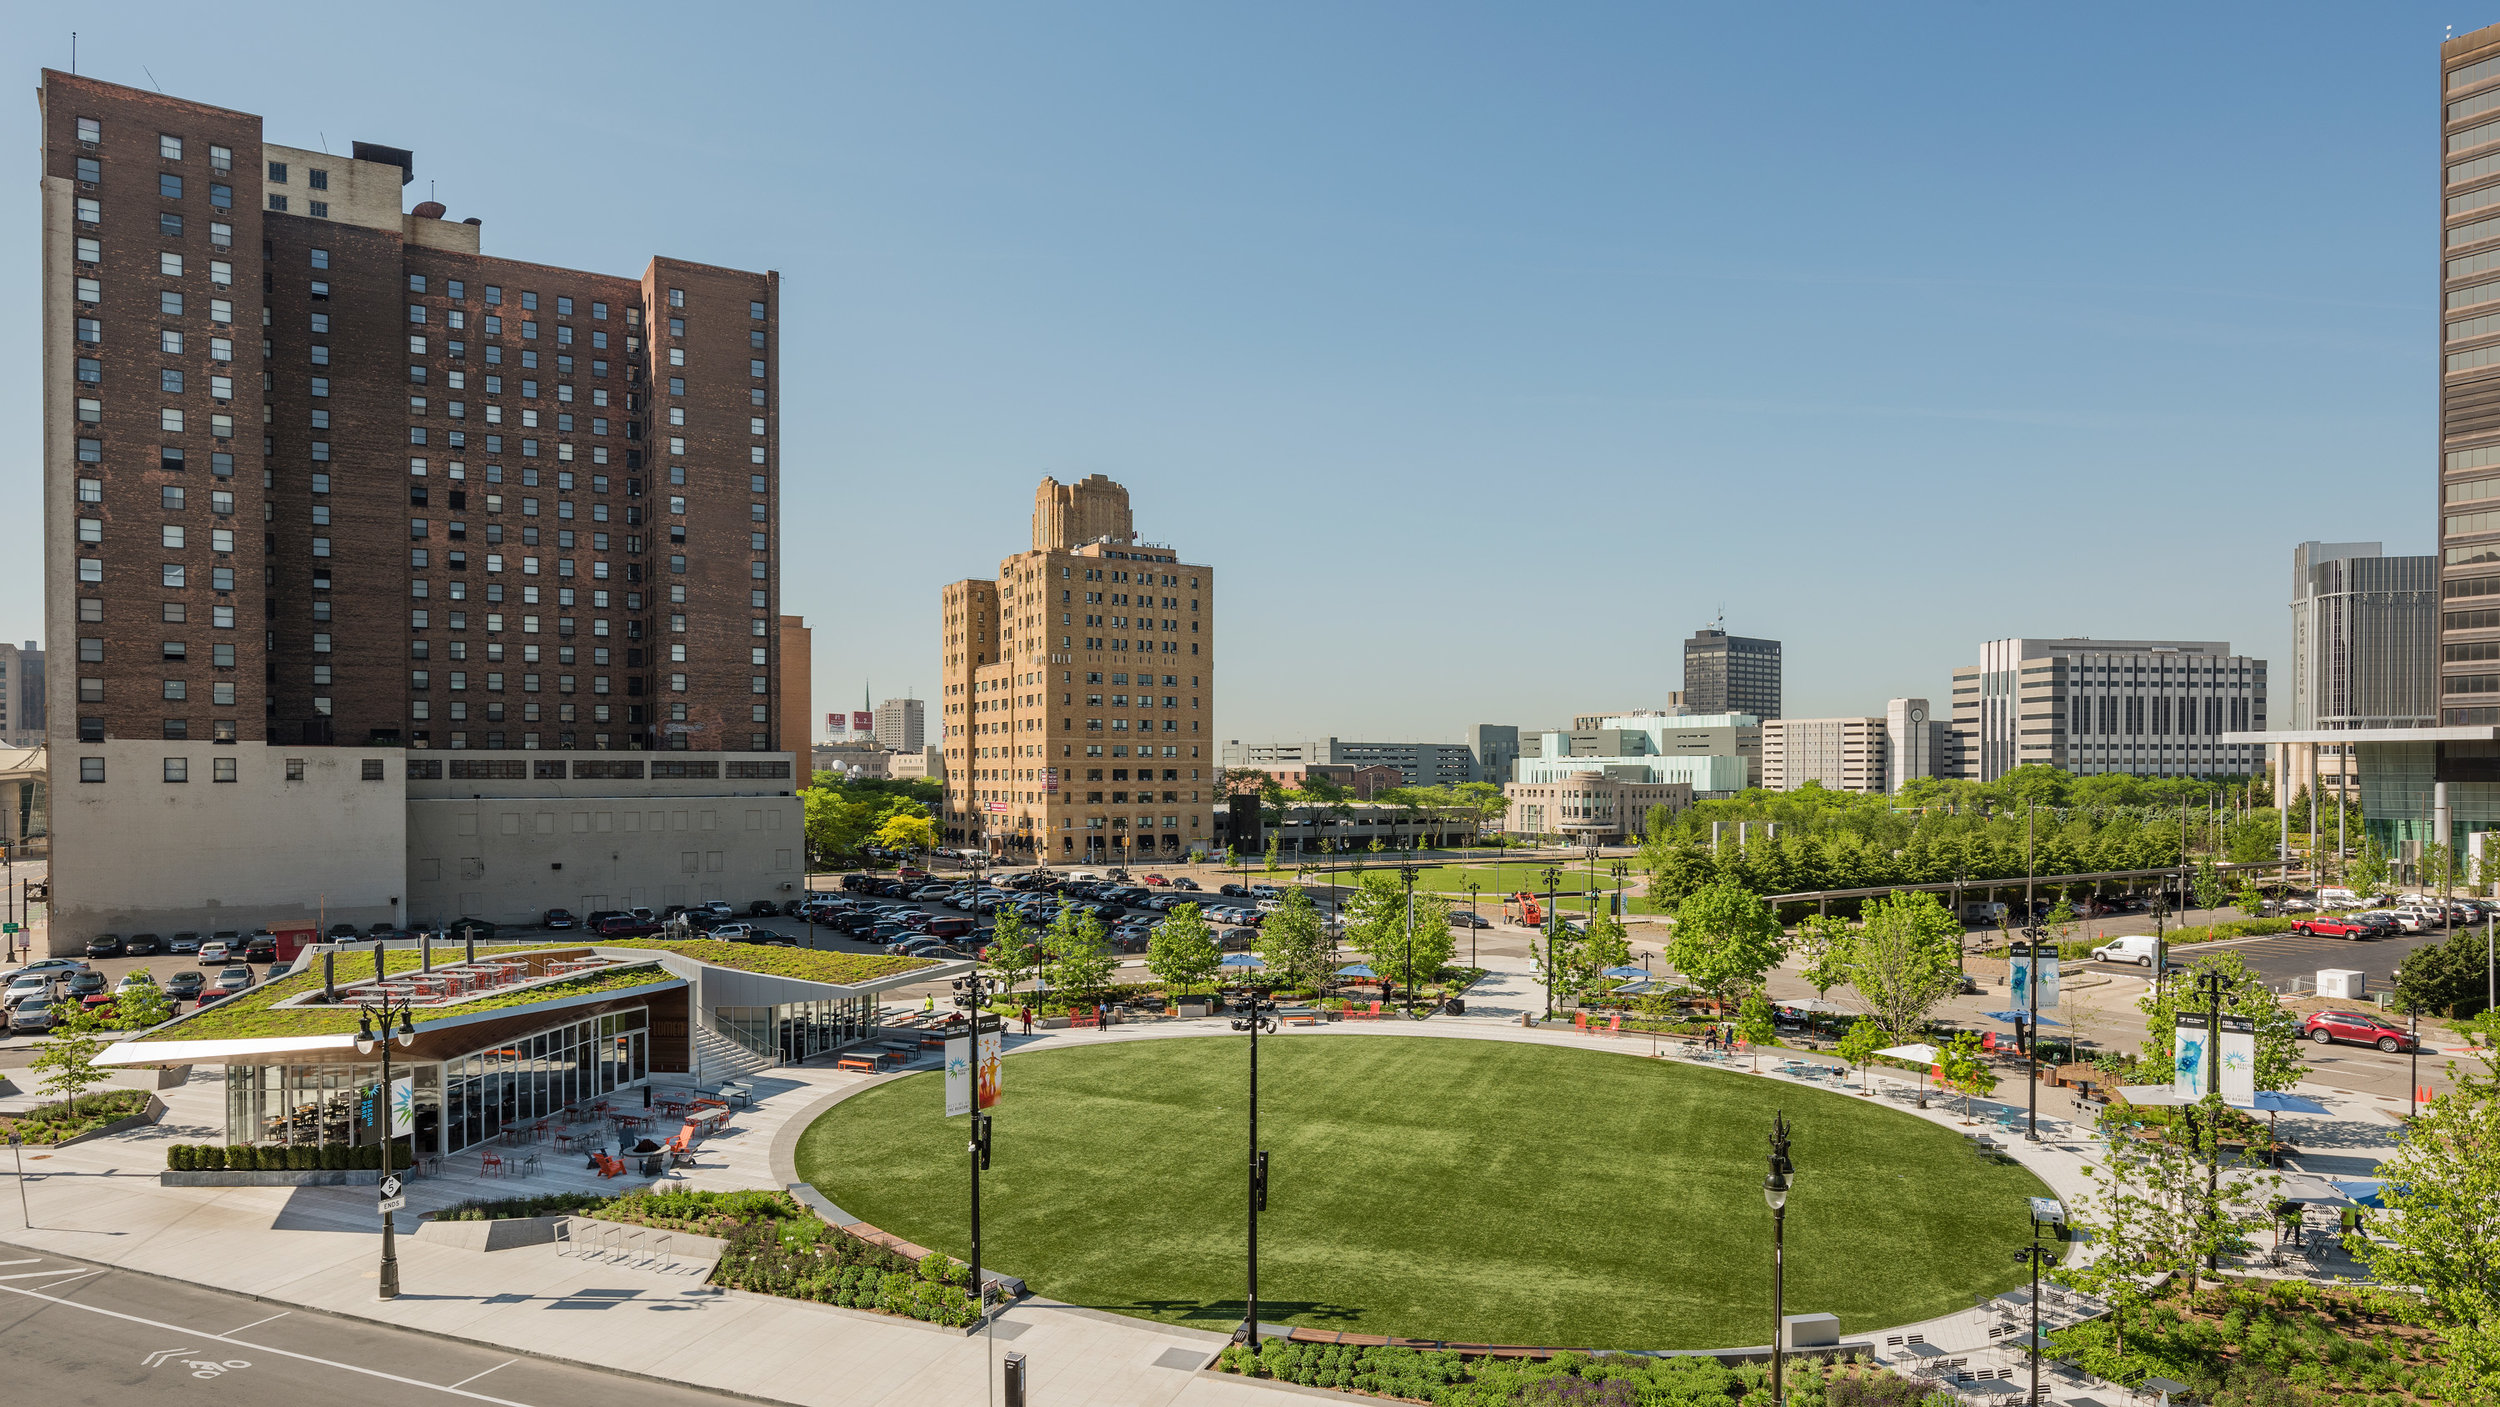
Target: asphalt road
(72, 1332)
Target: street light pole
(373, 1028)
(972, 994)
(1472, 921)
(1407, 873)
(1256, 1008)
(1775, 1187)
(2031, 1028)
(2037, 1255)
(1553, 926)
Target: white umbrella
(1921, 1052)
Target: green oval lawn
(1473, 1191)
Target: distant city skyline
(1860, 340)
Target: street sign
(390, 1189)
(8, 928)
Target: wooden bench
(865, 1063)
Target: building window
(177, 769)
(221, 769)
(90, 769)
(295, 769)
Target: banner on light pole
(973, 1064)
(2191, 1045)
(2034, 964)
(2239, 1061)
(958, 1076)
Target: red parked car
(1156, 880)
(2333, 926)
(2357, 1027)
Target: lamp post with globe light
(373, 1031)
(1775, 1187)
(1254, 1007)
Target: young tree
(1275, 851)
(1081, 961)
(1755, 1026)
(1379, 931)
(1823, 946)
(2132, 1219)
(1294, 943)
(1725, 939)
(2366, 876)
(2443, 1199)
(2244, 993)
(1607, 945)
(1859, 1044)
(1965, 1069)
(1014, 949)
(65, 1062)
(2210, 890)
(138, 1007)
(1903, 961)
(1181, 952)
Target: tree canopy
(1726, 939)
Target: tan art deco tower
(1079, 692)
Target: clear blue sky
(1484, 350)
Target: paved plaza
(644, 1309)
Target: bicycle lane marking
(259, 1348)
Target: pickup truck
(2333, 926)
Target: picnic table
(738, 1090)
(899, 1051)
(857, 1062)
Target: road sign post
(393, 1193)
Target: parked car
(2413, 920)
(1234, 890)
(903, 944)
(2356, 1027)
(731, 932)
(261, 948)
(105, 945)
(35, 989)
(624, 926)
(184, 986)
(2138, 948)
(887, 933)
(183, 944)
(1185, 882)
(763, 908)
(228, 982)
(557, 919)
(1156, 880)
(36, 1017)
(140, 945)
(231, 937)
(1265, 891)
(215, 954)
(342, 933)
(60, 965)
(91, 988)
(2336, 926)
(948, 928)
(1466, 918)
(1237, 940)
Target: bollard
(1014, 1374)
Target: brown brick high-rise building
(1079, 700)
(344, 515)
(321, 472)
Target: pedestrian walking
(1027, 1014)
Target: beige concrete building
(1077, 713)
(928, 762)
(506, 838)
(1590, 806)
(1844, 754)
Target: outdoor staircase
(718, 1058)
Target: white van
(1989, 911)
(2141, 949)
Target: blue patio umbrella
(2364, 1191)
(2016, 1017)
(1357, 969)
(1243, 960)
(1629, 974)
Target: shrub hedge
(1450, 1379)
(248, 1157)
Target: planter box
(512, 1232)
(1053, 1023)
(154, 1111)
(306, 1177)
(1192, 1009)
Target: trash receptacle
(1454, 1007)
